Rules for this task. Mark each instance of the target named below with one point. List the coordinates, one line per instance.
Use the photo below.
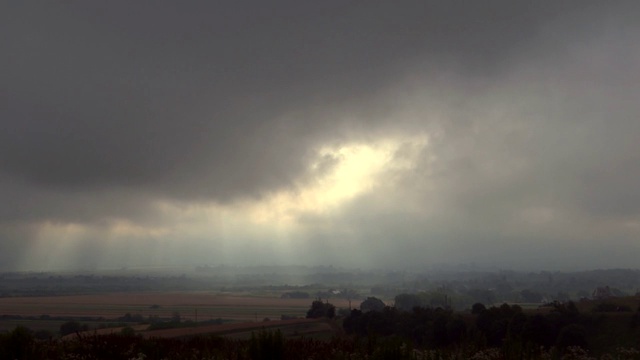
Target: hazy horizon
(373, 134)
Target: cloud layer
(502, 132)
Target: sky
(357, 134)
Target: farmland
(44, 313)
(222, 318)
(189, 305)
(292, 327)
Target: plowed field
(204, 306)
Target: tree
(372, 304)
(477, 308)
(319, 309)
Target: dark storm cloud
(188, 99)
(106, 108)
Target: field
(196, 306)
(294, 327)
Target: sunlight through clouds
(338, 175)
(55, 244)
(123, 228)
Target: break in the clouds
(345, 133)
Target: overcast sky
(345, 133)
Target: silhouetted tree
(319, 309)
(372, 304)
(477, 308)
